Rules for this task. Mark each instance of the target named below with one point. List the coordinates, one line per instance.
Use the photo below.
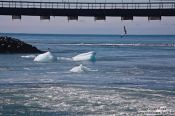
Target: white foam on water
(27, 68)
(52, 72)
(136, 71)
(94, 101)
(45, 57)
(64, 59)
(127, 44)
(28, 56)
(46, 80)
(89, 56)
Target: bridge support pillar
(100, 18)
(127, 18)
(44, 17)
(154, 17)
(72, 18)
(16, 17)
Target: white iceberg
(89, 56)
(80, 69)
(45, 57)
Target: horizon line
(1, 33)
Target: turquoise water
(133, 74)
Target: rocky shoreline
(10, 45)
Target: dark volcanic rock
(12, 45)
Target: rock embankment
(12, 45)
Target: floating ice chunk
(80, 69)
(45, 57)
(28, 56)
(89, 56)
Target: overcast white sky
(87, 25)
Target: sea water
(134, 75)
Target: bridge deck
(87, 8)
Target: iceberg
(89, 56)
(81, 69)
(45, 57)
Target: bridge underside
(86, 12)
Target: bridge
(97, 9)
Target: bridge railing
(87, 5)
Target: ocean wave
(28, 56)
(143, 90)
(52, 72)
(84, 101)
(4, 69)
(64, 59)
(127, 44)
(26, 68)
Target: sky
(87, 25)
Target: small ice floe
(45, 57)
(89, 56)
(81, 69)
(28, 56)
